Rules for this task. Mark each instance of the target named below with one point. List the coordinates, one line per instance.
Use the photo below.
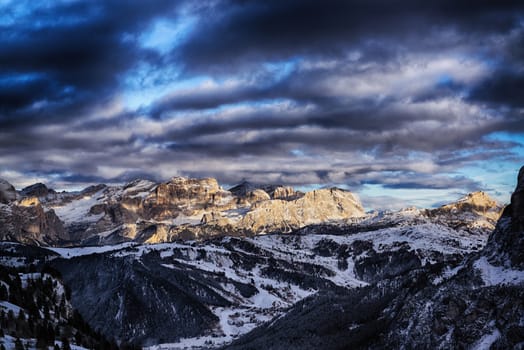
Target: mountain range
(187, 264)
(182, 208)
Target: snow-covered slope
(252, 280)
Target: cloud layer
(401, 95)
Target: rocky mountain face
(209, 293)
(7, 192)
(182, 208)
(28, 221)
(147, 212)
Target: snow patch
(79, 251)
(78, 210)
(494, 275)
(487, 340)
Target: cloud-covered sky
(403, 102)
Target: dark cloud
(505, 88)
(399, 94)
(59, 59)
(242, 32)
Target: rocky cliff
(181, 208)
(7, 192)
(27, 220)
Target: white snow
(5, 305)
(78, 210)
(447, 274)
(494, 275)
(183, 219)
(139, 188)
(487, 340)
(79, 251)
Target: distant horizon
(370, 203)
(403, 103)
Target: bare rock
(314, 207)
(284, 192)
(475, 212)
(38, 190)
(258, 195)
(517, 204)
(29, 222)
(7, 192)
(505, 246)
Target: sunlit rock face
(476, 212)
(470, 301)
(181, 208)
(28, 221)
(185, 208)
(314, 207)
(410, 279)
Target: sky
(402, 102)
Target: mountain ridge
(185, 208)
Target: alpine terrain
(187, 264)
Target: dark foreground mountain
(35, 311)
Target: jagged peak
(139, 184)
(243, 188)
(474, 201)
(7, 192)
(479, 197)
(37, 190)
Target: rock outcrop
(506, 245)
(38, 190)
(184, 208)
(314, 207)
(7, 192)
(27, 221)
(475, 212)
(517, 204)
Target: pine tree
(19, 345)
(78, 338)
(21, 315)
(3, 292)
(65, 344)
